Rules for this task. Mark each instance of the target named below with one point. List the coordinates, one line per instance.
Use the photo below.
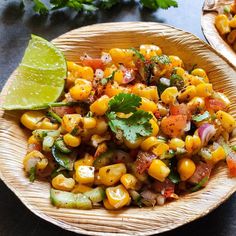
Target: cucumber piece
(69, 200)
(42, 133)
(136, 197)
(61, 146)
(96, 194)
(62, 199)
(66, 161)
(48, 142)
(54, 116)
(83, 202)
(104, 159)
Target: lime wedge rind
(39, 79)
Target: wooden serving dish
(132, 221)
(209, 12)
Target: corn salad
(133, 127)
(225, 23)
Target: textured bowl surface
(209, 12)
(133, 221)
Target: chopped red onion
(106, 58)
(188, 126)
(99, 73)
(148, 198)
(206, 132)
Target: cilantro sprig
(136, 125)
(45, 6)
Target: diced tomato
(174, 125)
(143, 161)
(214, 104)
(34, 146)
(166, 188)
(61, 111)
(231, 162)
(202, 171)
(180, 109)
(157, 114)
(95, 63)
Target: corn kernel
(60, 182)
(70, 121)
(158, 170)
(218, 155)
(84, 174)
(47, 124)
(227, 121)
(33, 159)
(176, 143)
(204, 90)
(169, 95)
(87, 160)
(186, 168)
(150, 142)
(33, 140)
(129, 181)
(81, 90)
(176, 61)
(155, 127)
(81, 188)
(150, 50)
(107, 205)
(100, 106)
(201, 73)
(147, 105)
(117, 196)
(118, 76)
(187, 94)
(133, 145)
(196, 104)
(222, 24)
(31, 119)
(72, 141)
(87, 73)
(160, 149)
(110, 175)
(89, 122)
(113, 89)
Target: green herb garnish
(136, 125)
(163, 59)
(138, 54)
(32, 174)
(177, 81)
(199, 185)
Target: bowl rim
(70, 228)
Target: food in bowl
(225, 23)
(132, 127)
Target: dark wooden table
(15, 29)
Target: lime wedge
(39, 79)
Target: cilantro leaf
(133, 127)
(32, 174)
(165, 4)
(155, 4)
(163, 59)
(106, 4)
(40, 7)
(125, 103)
(138, 54)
